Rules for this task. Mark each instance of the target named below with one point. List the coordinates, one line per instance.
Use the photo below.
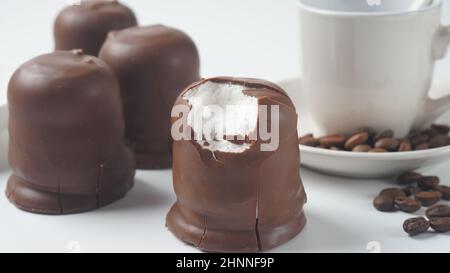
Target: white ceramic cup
(371, 65)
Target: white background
(252, 38)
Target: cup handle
(433, 108)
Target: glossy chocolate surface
(239, 202)
(153, 65)
(86, 25)
(66, 131)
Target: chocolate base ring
(179, 223)
(30, 199)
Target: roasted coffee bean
(378, 150)
(364, 138)
(392, 193)
(390, 144)
(362, 148)
(439, 141)
(409, 178)
(405, 145)
(428, 183)
(445, 190)
(441, 128)
(411, 190)
(430, 133)
(384, 203)
(422, 146)
(308, 140)
(407, 204)
(441, 224)
(438, 211)
(384, 134)
(356, 139)
(368, 130)
(417, 139)
(415, 226)
(425, 137)
(333, 141)
(428, 198)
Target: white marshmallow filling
(220, 112)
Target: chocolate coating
(241, 202)
(153, 64)
(86, 25)
(66, 130)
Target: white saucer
(361, 165)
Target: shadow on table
(431, 235)
(142, 196)
(425, 236)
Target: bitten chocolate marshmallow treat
(234, 195)
(66, 131)
(86, 25)
(153, 64)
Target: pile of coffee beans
(438, 218)
(417, 191)
(366, 140)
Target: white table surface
(253, 38)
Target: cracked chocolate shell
(233, 195)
